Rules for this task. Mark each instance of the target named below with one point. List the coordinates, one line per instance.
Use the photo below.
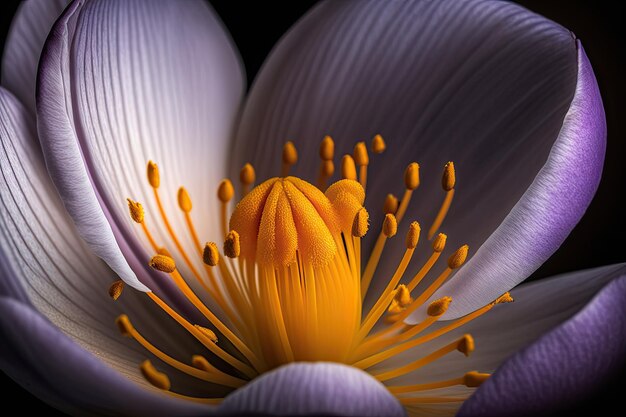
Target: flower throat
(290, 282)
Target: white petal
(121, 83)
(22, 49)
(46, 263)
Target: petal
(45, 263)
(312, 389)
(548, 210)
(121, 83)
(486, 84)
(564, 366)
(22, 49)
(39, 357)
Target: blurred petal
(121, 83)
(22, 48)
(548, 210)
(45, 263)
(39, 357)
(313, 389)
(486, 84)
(564, 366)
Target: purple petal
(121, 83)
(548, 210)
(312, 389)
(22, 49)
(43, 360)
(564, 366)
(486, 84)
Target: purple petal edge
(563, 366)
(312, 389)
(547, 212)
(43, 360)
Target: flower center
(292, 284)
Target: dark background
(598, 239)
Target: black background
(599, 237)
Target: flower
(507, 95)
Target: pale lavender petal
(43, 360)
(313, 389)
(121, 83)
(28, 32)
(562, 368)
(44, 262)
(548, 210)
(486, 84)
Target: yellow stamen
(362, 160)
(462, 345)
(247, 177)
(153, 175)
(378, 144)
(115, 290)
(225, 193)
(348, 168)
(327, 167)
(391, 204)
(411, 182)
(184, 201)
(290, 157)
(136, 211)
(474, 379)
(210, 334)
(232, 246)
(211, 255)
(471, 379)
(163, 263)
(156, 378)
(438, 246)
(447, 182)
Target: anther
(439, 243)
(115, 290)
(390, 225)
(163, 263)
(210, 255)
(403, 296)
(504, 298)
(391, 204)
(207, 332)
(439, 307)
(348, 168)
(328, 168)
(458, 257)
(232, 245)
(413, 236)
(184, 201)
(378, 144)
(474, 379)
(327, 148)
(124, 325)
(361, 223)
(412, 176)
(225, 191)
(156, 378)
(163, 251)
(466, 345)
(290, 154)
(449, 178)
(360, 154)
(153, 175)
(136, 211)
(247, 175)
(200, 362)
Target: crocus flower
(268, 313)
